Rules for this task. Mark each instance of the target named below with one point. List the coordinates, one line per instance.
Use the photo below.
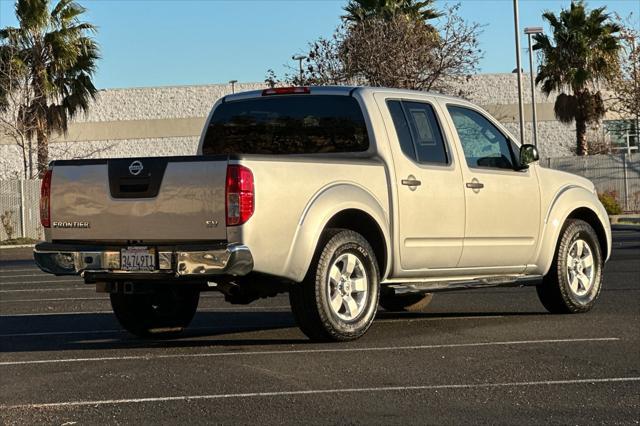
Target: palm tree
(359, 10)
(583, 53)
(58, 56)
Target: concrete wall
(168, 121)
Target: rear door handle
(474, 184)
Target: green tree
(582, 54)
(56, 56)
(360, 10)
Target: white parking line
(229, 309)
(120, 331)
(57, 299)
(213, 328)
(42, 274)
(44, 314)
(411, 319)
(42, 282)
(62, 333)
(44, 290)
(591, 381)
(309, 351)
(106, 297)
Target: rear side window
(295, 124)
(418, 131)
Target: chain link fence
(619, 174)
(19, 199)
(20, 209)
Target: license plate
(137, 259)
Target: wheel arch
(589, 216)
(346, 206)
(573, 203)
(365, 225)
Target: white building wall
(497, 92)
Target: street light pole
(529, 31)
(233, 85)
(516, 22)
(299, 58)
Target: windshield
(296, 124)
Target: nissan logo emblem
(135, 168)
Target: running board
(484, 282)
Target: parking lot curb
(17, 246)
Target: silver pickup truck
(345, 198)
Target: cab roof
(332, 90)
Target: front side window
(483, 144)
(418, 132)
(295, 124)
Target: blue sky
(177, 42)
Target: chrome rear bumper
(177, 261)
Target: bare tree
(15, 94)
(394, 51)
(324, 64)
(457, 53)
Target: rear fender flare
(325, 204)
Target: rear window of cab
(293, 124)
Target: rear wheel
(408, 302)
(167, 311)
(339, 297)
(574, 281)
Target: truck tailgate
(160, 199)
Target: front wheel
(338, 298)
(574, 281)
(167, 311)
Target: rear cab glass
(291, 124)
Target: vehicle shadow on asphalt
(101, 331)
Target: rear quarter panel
(295, 197)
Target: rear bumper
(172, 261)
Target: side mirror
(528, 154)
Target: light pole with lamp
(233, 85)
(299, 58)
(516, 23)
(529, 31)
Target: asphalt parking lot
(485, 356)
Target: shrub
(609, 200)
(7, 223)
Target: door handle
(411, 181)
(474, 184)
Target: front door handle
(474, 184)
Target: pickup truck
(345, 198)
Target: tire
(344, 270)
(571, 285)
(165, 312)
(408, 302)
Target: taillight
(239, 194)
(45, 200)
(286, 91)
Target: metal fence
(19, 199)
(20, 209)
(609, 173)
